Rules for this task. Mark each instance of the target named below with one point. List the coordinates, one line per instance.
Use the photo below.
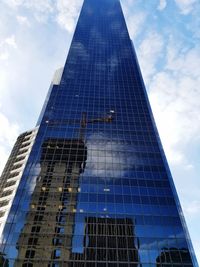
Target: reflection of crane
(84, 121)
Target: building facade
(96, 189)
(13, 171)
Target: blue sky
(34, 39)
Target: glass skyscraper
(90, 185)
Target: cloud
(42, 9)
(6, 45)
(192, 208)
(67, 13)
(134, 19)
(4, 55)
(64, 12)
(184, 63)
(174, 95)
(150, 51)
(196, 245)
(10, 41)
(186, 6)
(162, 5)
(23, 20)
(189, 167)
(135, 23)
(14, 3)
(8, 134)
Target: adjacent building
(90, 185)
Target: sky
(34, 40)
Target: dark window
(30, 254)
(32, 241)
(2, 213)
(35, 229)
(27, 264)
(6, 193)
(4, 203)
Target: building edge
(13, 172)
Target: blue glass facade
(96, 190)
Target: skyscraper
(95, 189)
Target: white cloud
(4, 76)
(134, 19)
(6, 45)
(162, 5)
(8, 134)
(196, 245)
(13, 3)
(174, 95)
(11, 41)
(186, 6)
(185, 63)
(40, 5)
(23, 20)
(150, 51)
(67, 13)
(135, 23)
(42, 9)
(4, 55)
(189, 167)
(9, 130)
(192, 208)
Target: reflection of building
(3, 261)
(12, 173)
(173, 256)
(107, 240)
(49, 223)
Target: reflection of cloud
(107, 157)
(35, 172)
(113, 63)
(98, 39)
(80, 51)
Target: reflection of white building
(47, 232)
(12, 173)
